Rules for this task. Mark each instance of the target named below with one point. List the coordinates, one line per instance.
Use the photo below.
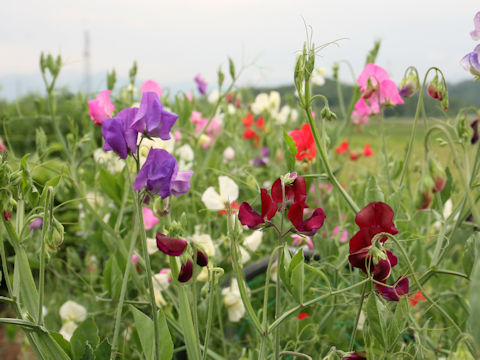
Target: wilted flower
(170, 246)
(118, 134)
(152, 119)
(151, 86)
(303, 137)
(233, 301)
(149, 219)
(101, 107)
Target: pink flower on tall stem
(101, 107)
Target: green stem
(146, 256)
(385, 153)
(297, 354)
(277, 301)
(355, 324)
(211, 301)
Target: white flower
(185, 157)
(71, 311)
(203, 274)
(447, 211)
(266, 103)
(213, 96)
(233, 301)
(154, 143)
(253, 241)
(204, 242)
(285, 114)
(228, 154)
(161, 282)
(245, 255)
(107, 158)
(318, 76)
(151, 246)
(67, 329)
(94, 199)
(228, 193)
(231, 109)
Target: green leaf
(373, 192)
(297, 275)
(166, 343)
(145, 332)
(396, 326)
(376, 315)
(449, 186)
(103, 350)
(470, 253)
(231, 68)
(290, 151)
(64, 344)
(112, 277)
(283, 270)
(110, 186)
(475, 304)
(85, 334)
(88, 352)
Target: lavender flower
(470, 62)
(152, 119)
(201, 84)
(118, 134)
(37, 223)
(160, 175)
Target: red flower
(231, 209)
(248, 120)
(303, 138)
(367, 150)
(260, 123)
(343, 148)
(311, 225)
(377, 215)
(302, 316)
(6, 215)
(251, 218)
(355, 356)
(186, 271)
(415, 299)
(400, 287)
(297, 189)
(354, 156)
(170, 246)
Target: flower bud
(54, 241)
(186, 271)
(409, 85)
(170, 246)
(434, 90)
(424, 194)
(202, 258)
(438, 174)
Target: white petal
(228, 189)
(205, 243)
(253, 241)
(236, 312)
(71, 311)
(212, 200)
(67, 330)
(151, 246)
(447, 209)
(244, 254)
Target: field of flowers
(149, 225)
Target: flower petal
(170, 246)
(228, 189)
(212, 200)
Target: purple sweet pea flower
(152, 119)
(470, 62)
(475, 34)
(118, 135)
(159, 175)
(400, 287)
(37, 223)
(201, 83)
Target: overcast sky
(174, 40)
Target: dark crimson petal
(277, 191)
(313, 223)
(170, 246)
(400, 288)
(358, 259)
(474, 126)
(362, 239)
(300, 189)
(269, 208)
(354, 356)
(186, 272)
(202, 258)
(295, 214)
(377, 214)
(381, 270)
(392, 258)
(249, 217)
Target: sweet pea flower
(295, 189)
(342, 148)
(152, 119)
(354, 356)
(37, 223)
(306, 148)
(151, 86)
(202, 259)
(301, 240)
(228, 194)
(343, 235)
(201, 84)
(475, 137)
(135, 259)
(72, 311)
(251, 218)
(160, 175)
(286, 113)
(186, 271)
(475, 34)
(361, 112)
(400, 287)
(213, 96)
(309, 226)
(253, 241)
(318, 76)
(470, 62)
(228, 154)
(118, 134)
(185, 155)
(266, 103)
(151, 246)
(367, 150)
(101, 107)
(67, 329)
(145, 144)
(302, 316)
(109, 160)
(170, 246)
(233, 301)
(214, 128)
(2, 146)
(203, 241)
(149, 219)
(416, 298)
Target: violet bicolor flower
(475, 34)
(152, 119)
(201, 84)
(118, 134)
(101, 107)
(159, 175)
(37, 223)
(470, 62)
(152, 86)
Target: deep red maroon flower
(400, 287)
(354, 356)
(186, 271)
(378, 216)
(303, 138)
(170, 246)
(202, 258)
(367, 150)
(296, 190)
(342, 148)
(311, 225)
(302, 316)
(6, 215)
(251, 218)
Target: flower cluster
(377, 89)
(470, 62)
(213, 129)
(250, 133)
(294, 188)
(372, 258)
(343, 148)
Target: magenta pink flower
(361, 112)
(151, 85)
(211, 131)
(149, 219)
(134, 259)
(302, 240)
(101, 107)
(2, 146)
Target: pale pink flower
(212, 130)
(177, 135)
(475, 34)
(101, 107)
(302, 240)
(189, 96)
(149, 219)
(343, 235)
(134, 259)
(152, 86)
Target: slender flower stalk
(355, 324)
